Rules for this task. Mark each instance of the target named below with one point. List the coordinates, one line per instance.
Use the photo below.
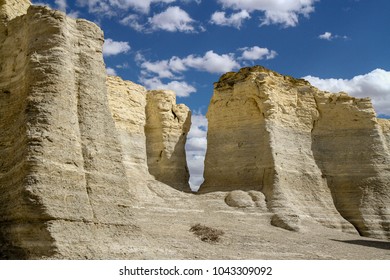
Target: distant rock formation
(315, 155)
(153, 131)
(167, 125)
(66, 157)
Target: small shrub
(207, 234)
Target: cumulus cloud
(285, 12)
(375, 85)
(181, 88)
(154, 72)
(210, 62)
(329, 36)
(235, 19)
(196, 149)
(172, 19)
(112, 47)
(257, 53)
(326, 36)
(111, 71)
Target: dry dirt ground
(163, 232)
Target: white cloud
(110, 7)
(161, 68)
(172, 19)
(181, 88)
(112, 47)
(196, 149)
(285, 12)
(212, 62)
(326, 36)
(257, 53)
(329, 36)
(375, 85)
(111, 71)
(235, 20)
(133, 21)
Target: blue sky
(185, 45)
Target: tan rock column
(167, 125)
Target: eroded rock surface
(167, 125)
(152, 130)
(9, 9)
(316, 156)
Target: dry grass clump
(207, 234)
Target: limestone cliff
(153, 131)
(61, 173)
(385, 125)
(316, 156)
(167, 125)
(9, 9)
(71, 159)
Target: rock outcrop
(385, 125)
(167, 125)
(61, 163)
(67, 160)
(152, 130)
(90, 166)
(10, 9)
(316, 156)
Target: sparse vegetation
(207, 234)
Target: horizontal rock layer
(316, 156)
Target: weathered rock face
(315, 155)
(61, 173)
(73, 159)
(9, 9)
(72, 162)
(153, 130)
(167, 125)
(385, 125)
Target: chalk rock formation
(10, 9)
(72, 159)
(152, 130)
(316, 156)
(61, 164)
(385, 125)
(167, 125)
